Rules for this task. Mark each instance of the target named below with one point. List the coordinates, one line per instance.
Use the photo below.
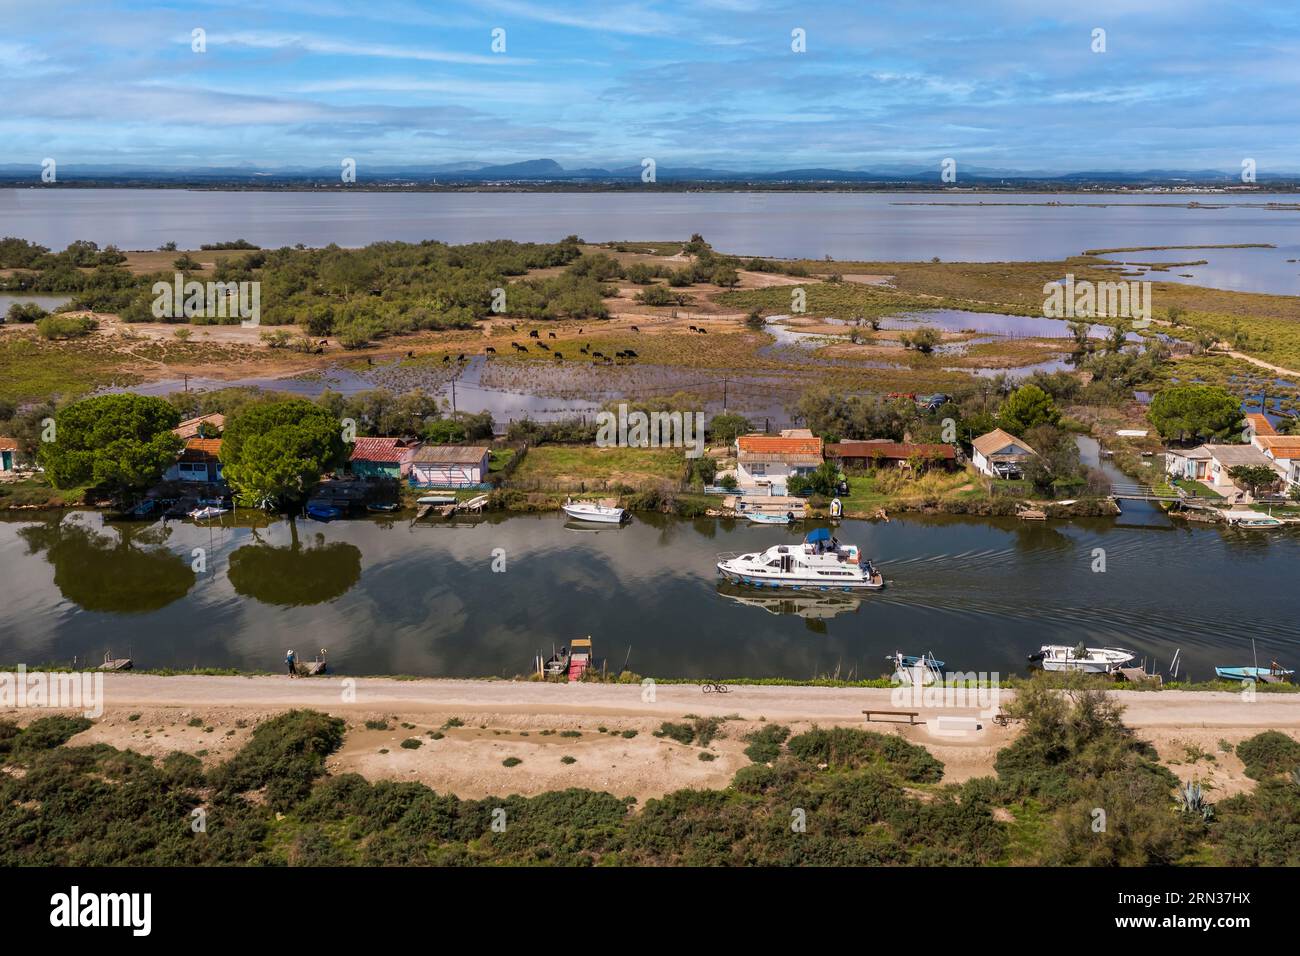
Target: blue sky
(994, 84)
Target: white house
(1284, 452)
(764, 462)
(450, 466)
(996, 448)
(199, 460)
(1212, 465)
(8, 451)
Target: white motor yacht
(820, 563)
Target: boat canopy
(818, 534)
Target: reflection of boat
(820, 563)
(322, 512)
(1251, 519)
(383, 506)
(1089, 660)
(208, 512)
(923, 671)
(808, 604)
(1273, 674)
(590, 511)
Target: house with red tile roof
(765, 462)
(205, 426)
(1257, 424)
(199, 460)
(382, 457)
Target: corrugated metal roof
(450, 454)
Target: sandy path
(609, 728)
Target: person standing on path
(289, 659)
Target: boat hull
(595, 517)
(796, 583)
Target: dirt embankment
(467, 729)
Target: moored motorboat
(1275, 673)
(591, 511)
(436, 500)
(1252, 519)
(1087, 660)
(761, 517)
(821, 562)
(323, 512)
(916, 671)
(208, 512)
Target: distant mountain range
(537, 172)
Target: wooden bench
(911, 715)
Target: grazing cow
(446, 360)
(551, 334)
(702, 330)
(597, 355)
(460, 357)
(630, 354)
(369, 360)
(694, 329)
(489, 351)
(523, 348)
(579, 331)
(410, 355)
(513, 329)
(635, 329)
(583, 350)
(533, 334)
(560, 356)
(543, 346)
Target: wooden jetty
(112, 663)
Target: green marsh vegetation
(866, 798)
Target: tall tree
(1028, 407)
(1204, 412)
(118, 441)
(276, 452)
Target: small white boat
(1252, 519)
(436, 500)
(759, 517)
(819, 563)
(590, 511)
(211, 511)
(912, 671)
(1088, 660)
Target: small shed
(382, 457)
(998, 447)
(450, 466)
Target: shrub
(1268, 754)
(284, 754)
(46, 733)
(765, 743)
(65, 326)
(511, 762)
(567, 759)
(846, 748)
(412, 743)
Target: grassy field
(555, 465)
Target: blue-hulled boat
(323, 512)
(1273, 674)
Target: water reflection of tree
(295, 575)
(128, 572)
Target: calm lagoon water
(875, 226)
(389, 597)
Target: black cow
(533, 334)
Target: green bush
(765, 743)
(48, 732)
(412, 743)
(847, 748)
(285, 755)
(1268, 754)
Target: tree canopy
(119, 441)
(1028, 407)
(278, 450)
(1205, 412)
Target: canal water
(392, 597)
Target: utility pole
(453, 392)
(724, 395)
